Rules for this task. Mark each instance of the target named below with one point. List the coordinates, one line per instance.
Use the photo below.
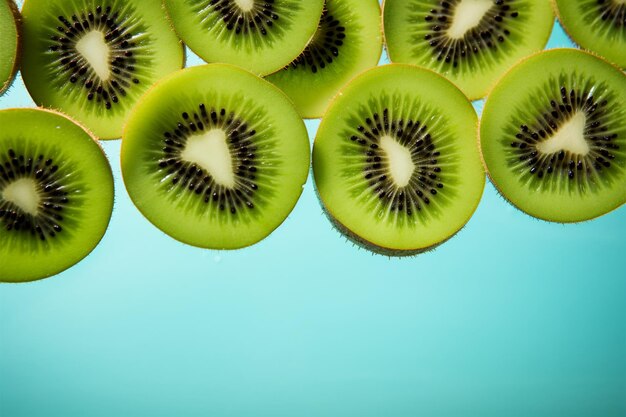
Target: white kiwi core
(570, 137)
(23, 193)
(467, 15)
(210, 151)
(401, 164)
(94, 49)
(245, 5)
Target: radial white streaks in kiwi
(534, 125)
(425, 183)
(496, 26)
(605, 16)
(122, 33)
(325, 46)
(44, 220)
(197, 181)
(265, 20)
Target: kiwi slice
(261, 36)
(215, 156)
(56, 194)
(93, 59)
(471, 42)
(596, 25)
(553, 136)
(347, 42)
(396, 160)
(9, 42)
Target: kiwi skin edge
(480, 149)
(367, 245)
(558, 16)
(18, 53)
(96, 244)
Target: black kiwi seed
(48, 221)
(487, 35)
(185, 175)
(259, 19)
(557, 111)
(325, 47)
(426, 181)
(119, 33)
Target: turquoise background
(512, 317)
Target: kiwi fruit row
(216, 156)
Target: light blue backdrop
(512, 317)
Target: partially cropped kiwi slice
(396, 160)
(471, 42)
(56, 194)
(596, 25)
(9, 42)
(553, 136)
(215, 156)
(347, 42)
(93, 59)
(261, 36)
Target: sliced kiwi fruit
(347, 42)
(553, 136)
(596, 25)
(261, 36)
(396, 160)
(471, 42)
(56, 194)
(9, 42)
(93, 59)
(215, 156)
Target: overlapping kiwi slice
(471, 42)
(596, 25)
(93, 59)
(347, 42)
(56, 194)
(215, 156)
(553, 136)
(396, 160)
(9, 42)
(261, 36)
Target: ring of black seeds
(602, 142)
(54, 198)
(259, 19)
(185, 175)
(325, 46)
(425, 183)
(119, 34)
(487, 35)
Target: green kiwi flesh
(56, 194)
(396, 160)
(347, 42)
(596, 25)
(94, 59)
(553, 136)
(261, 36)
(471, 42)
(215, 156)
(9, 43)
